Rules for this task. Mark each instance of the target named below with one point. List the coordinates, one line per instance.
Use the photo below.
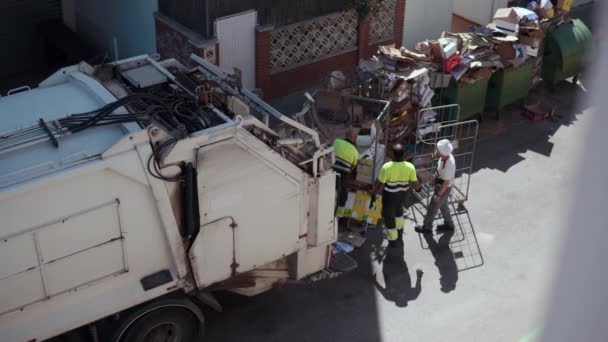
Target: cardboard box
(537, 34)
(329, 101)
(440, 80)
(507, 15)
(529, 41)
(546, 9)
(564, 5)
(427, 96)
(506, 51)
(425, 48)
(531, 51)
(449, 46)
(365, 171)
(455, 37)
(436, 50)
(482, 73)
(452, 62)
(459, 71)
(506, 20)
(416, 56)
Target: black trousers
(393, 205)
(342, 188)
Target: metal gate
(236, 37)
(463, 136)
(21, 43)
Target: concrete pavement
(520, 193)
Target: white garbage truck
(130, 191)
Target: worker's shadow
(397, 281)
(444, 260)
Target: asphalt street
(487, 282)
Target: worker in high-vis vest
(345, 165)
(394, 181)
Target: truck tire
(170, 319)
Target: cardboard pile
(404, 74)
(405, 77)
(497, 45)
(410, 78)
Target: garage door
(20, 43)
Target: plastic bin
(509, 85)
(565, 50)
(470, 97)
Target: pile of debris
(514, 36)
(402, 77)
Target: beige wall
(426, 19)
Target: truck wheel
(172, 320)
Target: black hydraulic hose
(110, 108)
(174, 112)
(190, 210)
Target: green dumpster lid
(573, 39)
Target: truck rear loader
(130, 191)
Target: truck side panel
(76, 245)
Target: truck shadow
(339, 309)
(345, 308)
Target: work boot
(422, 230)
(445, 227)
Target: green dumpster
(509, 85)
(565, 50)
(470, 97)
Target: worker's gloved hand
(419, 190)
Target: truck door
(251, 203)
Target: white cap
(445, 147)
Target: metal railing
(463, 136)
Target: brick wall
(176, 41)
(263, 60)
(363, 28)
(309, 75)
(399, 20)
(300, 78)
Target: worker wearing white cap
(446, 172)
